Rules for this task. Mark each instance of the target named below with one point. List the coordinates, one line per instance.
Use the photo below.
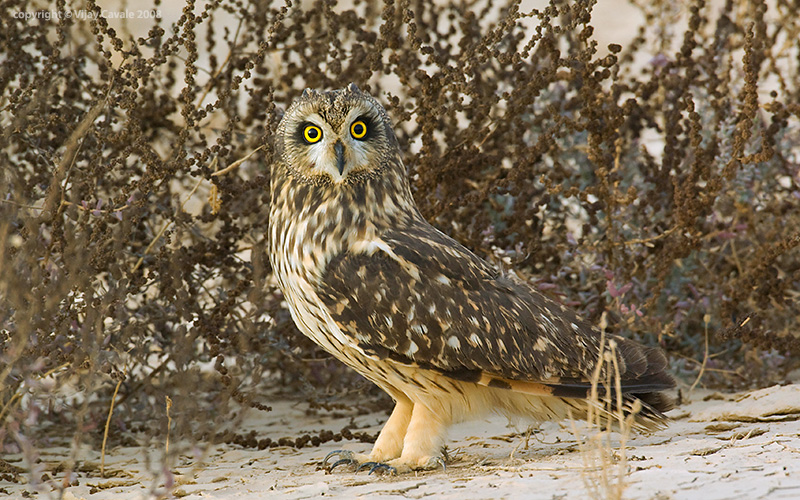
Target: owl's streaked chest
(308, 227)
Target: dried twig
(105, 431)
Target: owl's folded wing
(420, 298)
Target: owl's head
(336, 136)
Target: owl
(445, 334)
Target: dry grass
(603, 443)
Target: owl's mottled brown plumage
(443, 332)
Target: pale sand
(719, 446)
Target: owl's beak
(339, 149)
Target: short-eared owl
(444, 333)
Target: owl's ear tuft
(351, 87)
(306, 93)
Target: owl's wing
(420, 298)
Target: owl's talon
(376, 467)
(363, 466)
(345, 457)
(384, 469)
(329, 455)
(342, 461)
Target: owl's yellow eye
(312, 134)
(358, 129)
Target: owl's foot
(358, 461)
(401, 466)
(393, 467)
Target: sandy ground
(719, 446)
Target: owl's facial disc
(336, 149)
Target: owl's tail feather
(642, 385)
(642, 410)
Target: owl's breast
(310, 226)
(302, 240)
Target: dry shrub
(657, 181)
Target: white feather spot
(454, 342)
(412, 349)
(474, 340)
(443, 279)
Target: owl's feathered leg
(424, 439)
(389, 444)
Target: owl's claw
(345, 458)
(438, 461)
(378, 467)
(343, 461)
